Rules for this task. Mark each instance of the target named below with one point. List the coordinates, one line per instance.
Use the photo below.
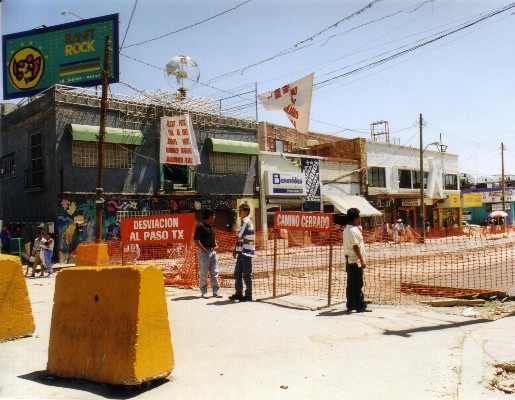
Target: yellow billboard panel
(472, 200)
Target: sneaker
(204, 296)
(236, 296)
(217, 295)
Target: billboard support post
(99, 201)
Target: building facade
(49, 149)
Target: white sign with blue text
(286, 183)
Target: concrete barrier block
(110, 324)
(16, 319)
(89, 254)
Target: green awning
(231, 146)
(89, 133)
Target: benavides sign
(68, 54)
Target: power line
(128, 25)
(189, 26)
(404, 52)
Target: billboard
(68, 54)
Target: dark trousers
(243, 273)
(355, 297)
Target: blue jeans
(208, 262)
(243, 273)
(48, 260)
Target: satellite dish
(183, 73)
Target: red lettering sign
(301, 221)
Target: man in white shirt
(354, 250)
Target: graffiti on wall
(73, 209)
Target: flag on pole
(294, 99)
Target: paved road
(259, 350)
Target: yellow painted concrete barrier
(89, 254)
(110, 324)
(16, 318)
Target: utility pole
(502, 177)
(422, 207)
(99, 200)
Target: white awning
(343, 203)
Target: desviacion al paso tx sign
(67, 54)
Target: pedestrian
(47, 248)
(354, 250)
(243, 252)
(395, 232)
(21, 232)
(36, 258)
(205, 241)
(5, 237)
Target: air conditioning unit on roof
(303, 144)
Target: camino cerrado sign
(300, 221)
(168, 228)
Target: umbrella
(499, 214)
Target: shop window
(7, 166)
(85, 154)
(376, 177)
(451, 182)
(229, 163)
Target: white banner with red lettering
(178, 142)
(294, 99)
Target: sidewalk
(282, 350)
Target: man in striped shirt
(243, 252)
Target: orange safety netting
(450, 263)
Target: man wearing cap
(36, 256)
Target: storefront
(447, 214)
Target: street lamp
(64, 12)
(421, 179)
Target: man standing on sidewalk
(243, 252)
(354, 250)
(206, 251)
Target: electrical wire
(128, 25)
(189, 26)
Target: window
(34, 179)
(279, 146)
(376, 177)
(229, 163)
(7, 166)
(451, 182)
(416, 179)
(404, 179)
(85, 154)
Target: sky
(374, 60)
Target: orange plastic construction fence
(449, 263)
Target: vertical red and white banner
(178, 142)
(294, 99)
